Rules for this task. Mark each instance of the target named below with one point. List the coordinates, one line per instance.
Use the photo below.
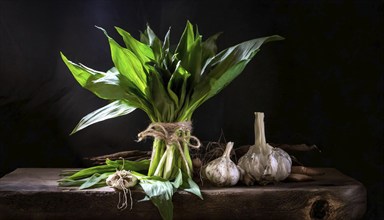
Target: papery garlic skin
(121, 180)
(223, 171)
(262, 161)
(278, 167)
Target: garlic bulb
(262, 161)
(223, 171)
(121, 180)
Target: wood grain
(33, 193)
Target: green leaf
(189, 107)
(191, 187)
(177, 85)
(71, 183)
(222, 69)
(94, 180)
(112, 110)
(209, 47)
(193, 63)
(104, 85)
(166, 41)
(162, 104)
(110, 85)
(160, 193)
(178, 180)
(186, 41)
(137, 166)
(142, 51)
(155, 43)
(189, 51)
(144, 37)
(128, 65)
(88, 172)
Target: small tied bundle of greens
(168, 85)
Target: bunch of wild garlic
(168, 85)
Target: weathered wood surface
(32, 193)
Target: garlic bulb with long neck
(223, 171)
(262, 161)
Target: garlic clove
(245, 177)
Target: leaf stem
(157, 153)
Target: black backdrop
(323, 85)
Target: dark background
(323, 85)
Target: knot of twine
(122, 180)
(172, 133)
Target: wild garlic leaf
(194, 62)
(87, 172)
(178, 180)
(128, 65)
(137, 166)
(81, 73)
(166, 42)
(95, 180)
(142, 51)
(223, 68)
(160, 193)
(209, 47)
(189, 51)
(186, 40)
(190, 186)
(155, 43)
(177, 85)
(144, 37)
(162, 103)
(112, 110)
(71, 183)
(99, 83)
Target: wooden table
(32, 193)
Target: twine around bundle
(172, 133)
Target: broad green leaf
(137, 166)
(186, 41)
(110, 85)
(178, 180)
(144, 37)
(160, 193)
(190, 106)
(104, 85)
(194, 62)
(142, 51)
(128, 64)
(191, 187)
(88, 182)
(88, 172)
(232, 55)
(71, 183)
(215, 85)
(94, 180)
(80, 73)
(222, 69)
(112, 110)
(162, 104)
(209, 47)
(189, 51)
(177, 85)
(155, 43)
